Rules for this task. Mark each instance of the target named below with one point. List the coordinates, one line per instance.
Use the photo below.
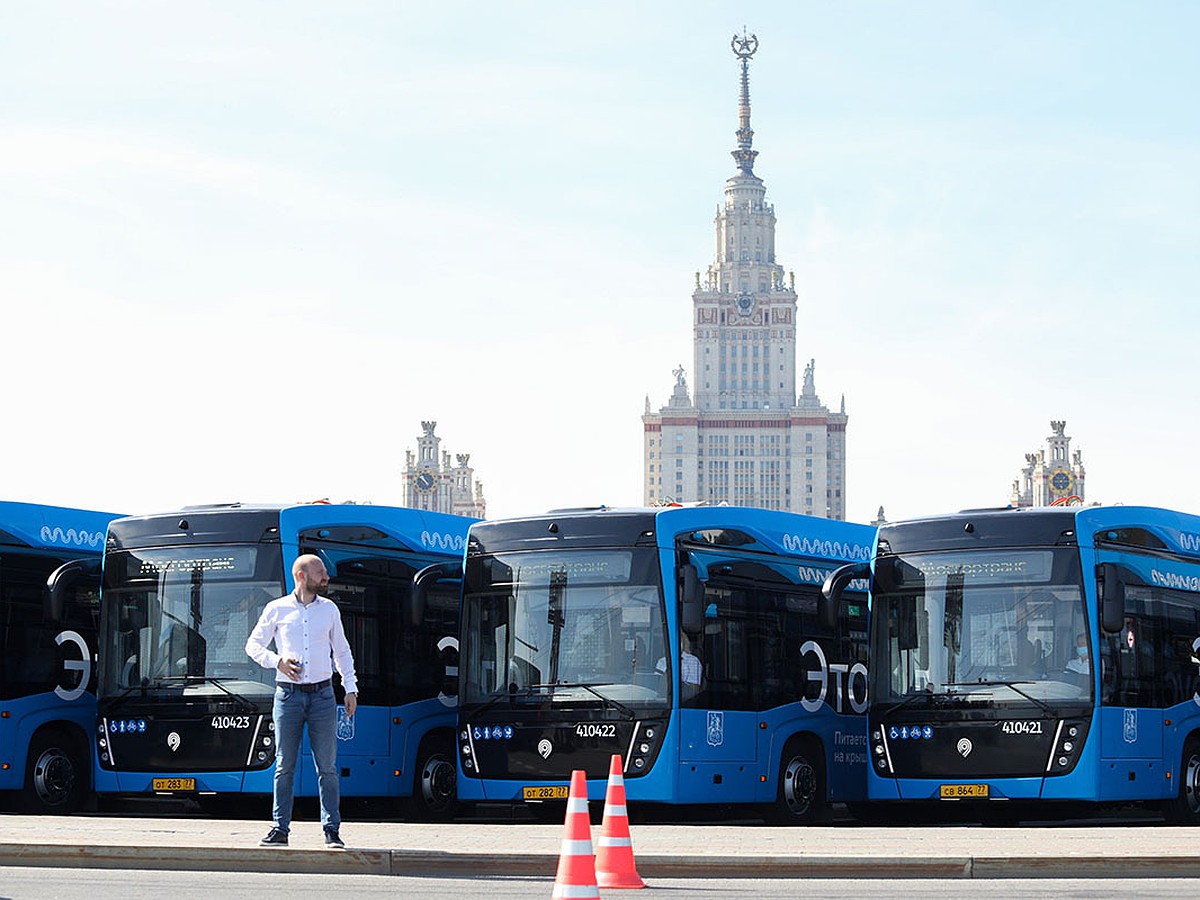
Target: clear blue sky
(245, 248)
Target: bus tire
(435, 781)
(56, 774)
(1185, 808)
(800, 792)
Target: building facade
(1053, 476)
(431, 482)
(747, 438)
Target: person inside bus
(691, 670)
(1080, 664)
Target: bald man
(309, 644)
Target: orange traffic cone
(576, 876)
(614, 858)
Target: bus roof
(43, 527)
(236, 522)
(1011, 527)
(774, 531)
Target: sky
(246, 248)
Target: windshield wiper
(205, 679)
(590, 687)
(490, 702)
(907, 701)
(124, 696)
(1011, 685)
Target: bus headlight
(879, 753)
(643, 747)
(1068, 744)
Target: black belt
(315, 686)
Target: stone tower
(747, 439)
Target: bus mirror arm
(835, 584)
(1111, 588)
(423, 581)
(61, 579)
(691, 597)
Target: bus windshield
(999, 625)
(582, 626)
(179, 618)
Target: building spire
(744, 47)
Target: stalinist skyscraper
(747, 439)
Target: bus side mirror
(691, 599)
(423, 583)
(887, 575)
(62, 580)
(835, 584)
(1111, 589)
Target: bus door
(717, 725)
(371, 592)
(722, 743)
(1134, 687)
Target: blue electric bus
(184, 711)
(47, 651)
(687, 640)
(986, 630)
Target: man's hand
(351, 703)
(290, 668)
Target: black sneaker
(275, 838)
(332, 839)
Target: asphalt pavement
(661, 850)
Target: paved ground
(662, 851)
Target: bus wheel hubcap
(437, 782)
(53, 776)
(799, 785)
(1191, 783)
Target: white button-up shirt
(312, 634)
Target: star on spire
(744, 47)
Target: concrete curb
(466, 864)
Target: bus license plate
(545, 792)
(956, 791)
(173, 784)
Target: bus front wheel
(435, 785)
(1185, 808)
(55, 775)
(800, 794)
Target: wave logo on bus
(435, 540)
(1189, 542)
(834, 549)
(849, 683)
(71, 537)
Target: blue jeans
(293, 708)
